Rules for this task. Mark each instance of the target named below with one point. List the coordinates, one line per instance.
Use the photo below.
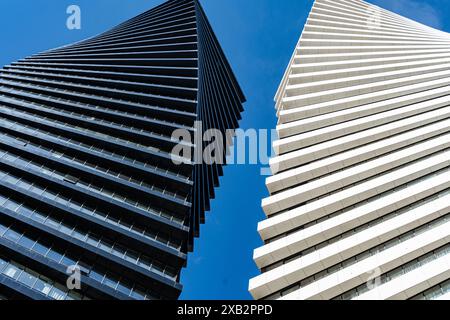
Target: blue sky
(258, 37)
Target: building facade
(360, 196)
(88, 185)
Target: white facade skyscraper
(359, 204)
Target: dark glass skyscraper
(86, 172)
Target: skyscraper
(360, 196)
(87, 177)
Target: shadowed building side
(360, 194)
(86, 171)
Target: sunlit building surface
(360, 196)
(87, 179)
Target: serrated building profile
(360, 194)
(88, 185)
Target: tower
(359, 200)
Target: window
(124, 288)
(137, 229)
(27, 279)
(132, 256)
(93, 240)
(11, 271)
(65, 228)
(10, 205)
(68, 261)
(96, 276)
(71, 179)
(118, 250)
(84, 267)
(26, 212)
(110, 281)
(78, 235)
(138, 293)
(105, 245)
(145, 262)
(125, 224)
(52, 223)
(57, 293)
(113, 219)
(159, 267)
(2, 229)
(3, 264)
(74, 296)
(55, 256)
(38, 217)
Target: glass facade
(87, 177)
